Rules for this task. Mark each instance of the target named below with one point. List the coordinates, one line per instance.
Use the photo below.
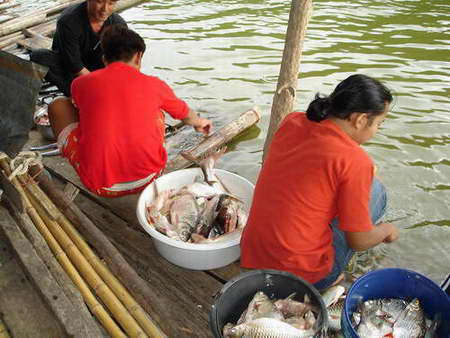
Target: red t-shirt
(121, 130)
(313, 173)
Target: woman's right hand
(393, 233)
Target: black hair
(357, 93)
(120, 43)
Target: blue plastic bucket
(397, 283)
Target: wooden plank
(43, 279)
(69, 289)
(22, 308)
(216, 140)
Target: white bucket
(190, 255)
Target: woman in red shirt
(316, 199)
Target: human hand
(393, 233)
(202, 125)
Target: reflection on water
(223, 57)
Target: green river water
(223, 58)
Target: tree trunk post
(283, 101)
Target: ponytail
(356, 94)
(318, 108)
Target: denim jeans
(343, 253)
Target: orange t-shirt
(313, 173)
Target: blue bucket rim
(358, 281)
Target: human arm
(200, 124)
(83, 71)
(361, 241)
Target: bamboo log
(83, 265)
(49, 25)
(283, 101)
(22, 22)
(33, 18)
(138, 287)
(8, 5)
(111, 281)
(96, 308)
(3, 330)
(216, 140)
(45, 28)
(6, 18)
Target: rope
(21, 163)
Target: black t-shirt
(75, 40)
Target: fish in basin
(200, 212)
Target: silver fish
(207, 166)
(261, 306)
(196, 238)
(290, 307)
(411, 322)
(431, 329)
(184, 214)
(268, 328)
(201, 189)
(242, 217)
(160, 222)
(332, 295)
(392, 308)
(367, 327)
(334, 315)
(227, 216)
(207, 217)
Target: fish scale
(268, 328)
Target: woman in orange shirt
(316, 199)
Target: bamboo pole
(8, 5)
(48, 27)
(96, 308)
(32, 19)
(112, 282)
(138, 287)
(120, 313)
(216, 140)
(3, 330)
(283, 101)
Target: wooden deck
(184, 297)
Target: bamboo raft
(107, 268)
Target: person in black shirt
(76, 46)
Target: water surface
(223, 58)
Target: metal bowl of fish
(268, 303)
(191, 239)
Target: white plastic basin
(190, 255)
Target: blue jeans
(343, 253)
